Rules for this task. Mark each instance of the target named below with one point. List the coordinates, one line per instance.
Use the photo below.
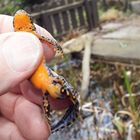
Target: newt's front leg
(44, 79)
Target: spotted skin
(46, 79)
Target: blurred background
(101, 43)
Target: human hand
(20, 54)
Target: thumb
(20, 54)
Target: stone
(76, 44)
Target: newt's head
(56, 89)
(23, 22)
(60, 88)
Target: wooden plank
(71, 14)
(47, 23)
(57, 23)
(60, 8)
(73, 18)
(94, 13)
(81, 15)
(65, 20)
(88, 14)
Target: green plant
(10, 6)
(129, 90)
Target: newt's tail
(69, 117)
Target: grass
(129, 90)
(128, 116)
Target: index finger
(6, 25)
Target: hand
(20, 54)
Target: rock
(76, 44)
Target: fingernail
(21, 51)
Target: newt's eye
(63, 90)
(54, 82)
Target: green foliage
(129, 90)
(115, 104)
(10, 6)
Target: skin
(20, 112)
